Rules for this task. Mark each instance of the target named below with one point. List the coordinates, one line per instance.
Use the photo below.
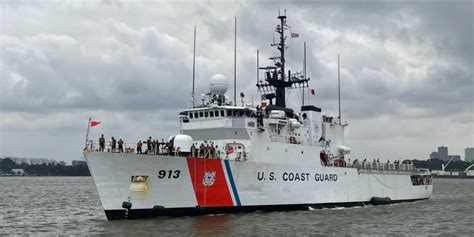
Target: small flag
(295, 35)
(312, 91)
(94, 123)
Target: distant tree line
(60, 169)
(435, 164)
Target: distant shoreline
(45, 175)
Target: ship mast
(280, 87)
(276, 79)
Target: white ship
(229, 158)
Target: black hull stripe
(159, 211)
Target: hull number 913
(169, 174)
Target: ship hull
(176, 186)
(195, 211)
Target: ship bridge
(218, 122)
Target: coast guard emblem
(209, 178)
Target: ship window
(247, 113)
(211, 114)
(235, 113)
(216, 113)
(229, 113)
(196, 115)
(222, 113)
(241, 113)
(206, 114)
(201, 114)
(191, 115)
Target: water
(70, 205)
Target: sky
(407, 82)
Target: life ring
(339, 163)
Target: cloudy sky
(406, 69)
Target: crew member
(139, 147)
(148, 144)
(102, 143)
(113, 144)
(193, 150)
(120, 145)
(157, 147)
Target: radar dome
(219, 84)
(184, 142)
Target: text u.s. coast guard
(296, 176)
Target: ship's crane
(468, 168)
(449, 162)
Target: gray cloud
(405, 67)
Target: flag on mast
(94, 123)
(295, 35)
(312, 91)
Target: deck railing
(163, 150)
(379, 167)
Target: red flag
(312, 91)
(94, 123)
(295, 35)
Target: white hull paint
(248, 184)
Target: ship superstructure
(230, 157)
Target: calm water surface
(70, 205)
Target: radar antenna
(276, 79)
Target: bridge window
(229, 113)
(222, 113)
(196, 115)
(216, 113)
(201, 114)
(191, 115)
(206, 114)
(211, 114)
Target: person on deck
(139, 147)
(157, 147)
(102, 143)
(120, 145)
(113, 144)
(148, 144)
(193, 150)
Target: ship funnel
(219, 84)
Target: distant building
(455, 157)
(443, 153)
(19, 160)
(434, 155)
(469, 154)
(18, 172)
(78, 163)
(30, 161)
(39, 161)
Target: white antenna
(304, 69)
(235, 63)
(339, 86)
(194, 63)
(257, 67)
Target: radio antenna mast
(235, 62)
(257, 67)
(194, 63)
(304, 69)
(339, 87)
